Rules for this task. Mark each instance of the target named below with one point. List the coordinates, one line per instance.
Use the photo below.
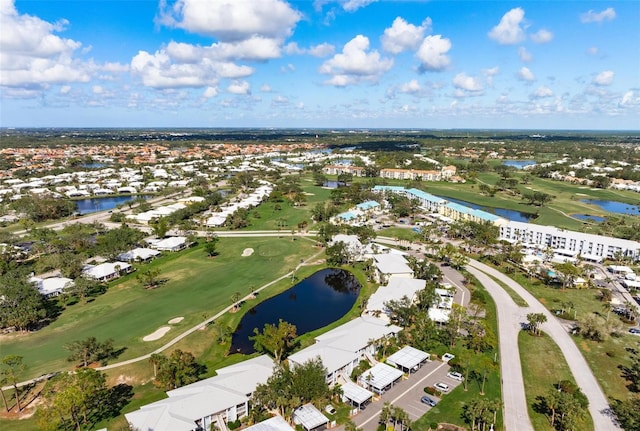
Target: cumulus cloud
(542, 36)
(33, 56)
(402, 36)
(433, 53)
(177, 67)
(411, 87)
(210, 92)
(525, 74)
(608, 14)
(630, 98)
(542, 92)
(468, 84)
(604, 78)
(525, 56)
(229, 20)
(509, 31)
(354, 5)
(239, 87)
(355, 64)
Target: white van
(442, 387)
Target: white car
(447, 357)
(330, 409)
(442, 387)
(455, 375)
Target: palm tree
(607, 306)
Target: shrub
(234, 424)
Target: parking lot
(406, 395)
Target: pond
(518, 164)
(313, 303)
(331, 184)
(614, 206)
(512, 215)
(88, 206)
(588, 217)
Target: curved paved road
(603, 419)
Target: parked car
(442, 387)
(634, 331)
(447, 357)
(455, 375)
(330, 409)
(428, 401)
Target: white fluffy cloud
(355, 64)
(354, 5)
(608, 14)
(161, 70)
(433, 53)
(230, 20)
(210, 92)
(542, 92)
(470, 84)
(542, 36)
(604, 78)
(489, 74)
(525, 55)
(525, 74)
(402, 36)
(509, 31)
(321, 50)
(239, 87)
(32, 55)
(630, 98)
(411, 87)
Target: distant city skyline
(358, 64)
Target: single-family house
(140, 254)
(107, 271)
(396, 289)
(52, 286)
(173, 243)
(391, 265)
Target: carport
(408, 359)
(356, 395)
(310, 418)
(380, 378)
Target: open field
(197, 287)
(543, 366)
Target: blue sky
(323, 63)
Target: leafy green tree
(12, 366)
(84, 287)
(22, 306)
(90, 350)
(567, 272)
(277, 340)
(289, 387)
(177, 370)
(338, 254)
(628, 413)
(160, 227)
(149, 278)
(71, 399)
(211, 246)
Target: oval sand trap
(175, 320)
(159, 333)
(247, 252)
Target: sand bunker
(581, 194)
(176, 320)
(247, 252)
(308, 194)
(158, 334)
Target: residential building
(356, 171)
(107, 271)
(342, 348)
(391, 265)
(195, 407)
(569, 243)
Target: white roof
(356, 334)
(391, 264)
(276, 423)
(381, 375)
(355, 393)
(105, 269)
(170, 243)
(620, 268)
(309, 417)
(189, 403)
(51, 285)
(139, 253)
(408, 357)
(395, 290)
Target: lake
(512, 215)
(518, 164)
(588, 217)
(313, 303)
(614, 206)
(88, 206)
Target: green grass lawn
(196, 287)
(543, 366)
